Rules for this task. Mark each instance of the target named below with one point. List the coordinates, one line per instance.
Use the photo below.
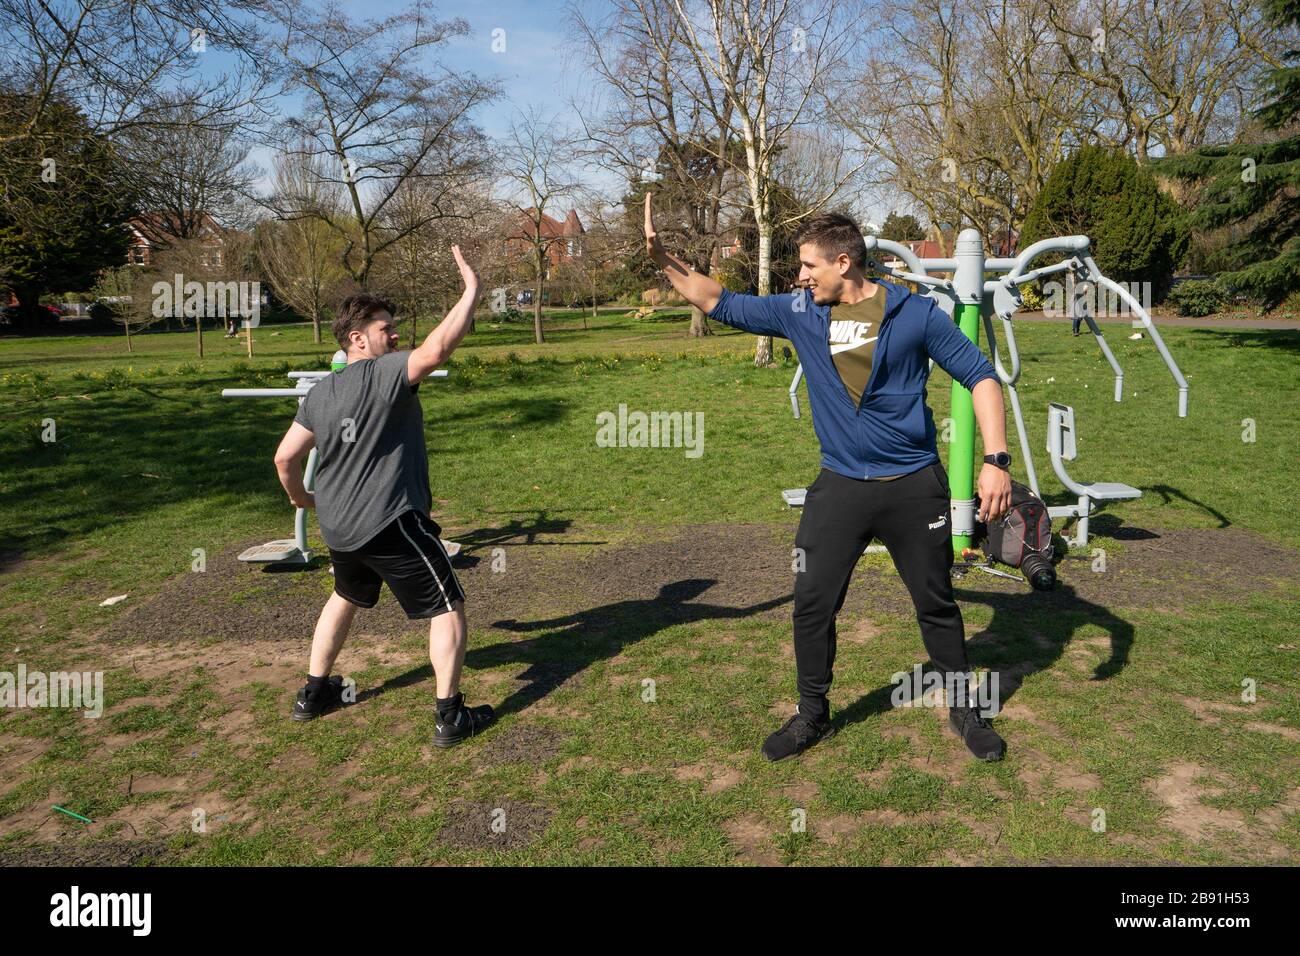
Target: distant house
(926, 248)
(563, 240)
(729, 245)
(152, 232)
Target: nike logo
(846, 335)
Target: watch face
(1002, 459)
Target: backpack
(1022, 538)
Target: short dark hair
(355, 313)
(834, 234)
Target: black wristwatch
(999, 459)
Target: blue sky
(541, 67)
(536, 69)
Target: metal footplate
(284, 551)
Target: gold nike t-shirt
(853, 333)
(854, 330)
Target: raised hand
(652, 243)
(467, 273)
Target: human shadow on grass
(576, 641)
(1028, 633)
(1287, 340)
(527, 412)
(515, 533)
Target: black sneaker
(795, 736)
(467, 722)
(310, 706)
(979, 735)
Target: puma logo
(943, 520)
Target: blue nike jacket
(891, 431)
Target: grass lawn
(629, 612)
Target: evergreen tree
(1136, 230)
(1255, 186)
(64, 205)
(904, 228)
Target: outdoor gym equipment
(294, 550)
(969, 297)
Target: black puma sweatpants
(841, 516)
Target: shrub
(1198, 297)
(116, 377)
(1136, 230)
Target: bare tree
(982, 111)
(301, 255)
(990, 98)
(129, 66)
(777, 65)
(188, 171)
(415, 271)
(124, 291)
(383, 115)
(604, 245)
(1168, 76)
(661, 120)
(537, 174)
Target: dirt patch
(718, 572)
(1021, 712)
(1211, 712)
(1171, 568)
(716, 777)
(837, 829)
(1259, 727)
(520, 743)
(703, 571)
(90, 853)
(1041, 773)
(1180, 790)
(504, 826)
(801, 793)
(751, 839)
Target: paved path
(1214, 322)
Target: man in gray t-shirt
(372, 499)
(369, 436)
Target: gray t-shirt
(372, 464)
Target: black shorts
(409, 558)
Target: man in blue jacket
(865, 348)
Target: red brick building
(563, 239)
(153, 231)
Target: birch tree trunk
(763, 347)
(537, 297)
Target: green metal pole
(961, 450)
